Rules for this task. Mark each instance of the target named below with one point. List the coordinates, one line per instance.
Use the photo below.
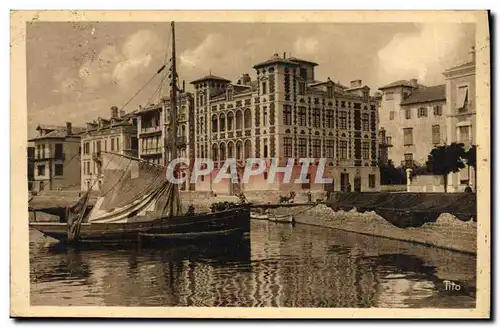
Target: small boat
(272, 218)
(282, 219)
(257, 216)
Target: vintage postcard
(267, 164)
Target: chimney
(69, 130)
(414, 83)
(114, 112)
(356, 83)
(472, 55)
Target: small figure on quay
(190, 210)
(468, 189)
(309, 196)
(349, 188)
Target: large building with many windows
(286, 113)
(117, 134)
(412, 118)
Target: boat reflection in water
(280, 266)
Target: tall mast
(173, 102)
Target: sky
(76, 71)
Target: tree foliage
(470, 156)
(446, 159)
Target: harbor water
(278, 266)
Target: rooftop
(426, 94)
(298, 60)
(58, 132)
(210, 77)
(399, 83)
(276, 59)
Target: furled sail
(133, 190)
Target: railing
(49, 155)
(151, 129)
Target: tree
(470, 157)
(446, 159)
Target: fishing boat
(138, 202)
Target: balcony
(49, 155)
(385, 142)
(150, 130)
(152, 151)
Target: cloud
(210, 49)
(121, 65)
(425, 54)
(306, 46)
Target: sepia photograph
(250, 164)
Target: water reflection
(280, 266)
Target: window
(464, 134)
(438, 110)
(264, 116)
(408, 136)
(41, 170)
(329, 92)
(343, 149)
(365, 150)
(59, 169)
(462, 98)
(58, 151)
(436, 134)
(264, 88)
(265, 149)
(389, 95)
(316, 118)
(98, 146)
(316, 148)
(371, 180)
(222, 125)
(391, 115)
(422, 112)
(408, 113)
(214, 123)
(106, 145)
(302, 147)
(287, 147)
(408, 160)
(303, 73)
(329, 149)
(302, 116)
(229, 121)
(388, 140)
(88, 167)
(302, 88)
(117, 144)
(112, 144)
(365, 120)
(287, 115)
(343, 120)
(230, 94)
(329, 119)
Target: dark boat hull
(237, 219)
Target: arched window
(238, 149)
(214, 123)
(230, 149)
(215, 152)
(248, 148)
(230, 121)
(222, 152)
(222, 122)
(183, 133)
(239, 120)
(248, 119)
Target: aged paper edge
(19, 266)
